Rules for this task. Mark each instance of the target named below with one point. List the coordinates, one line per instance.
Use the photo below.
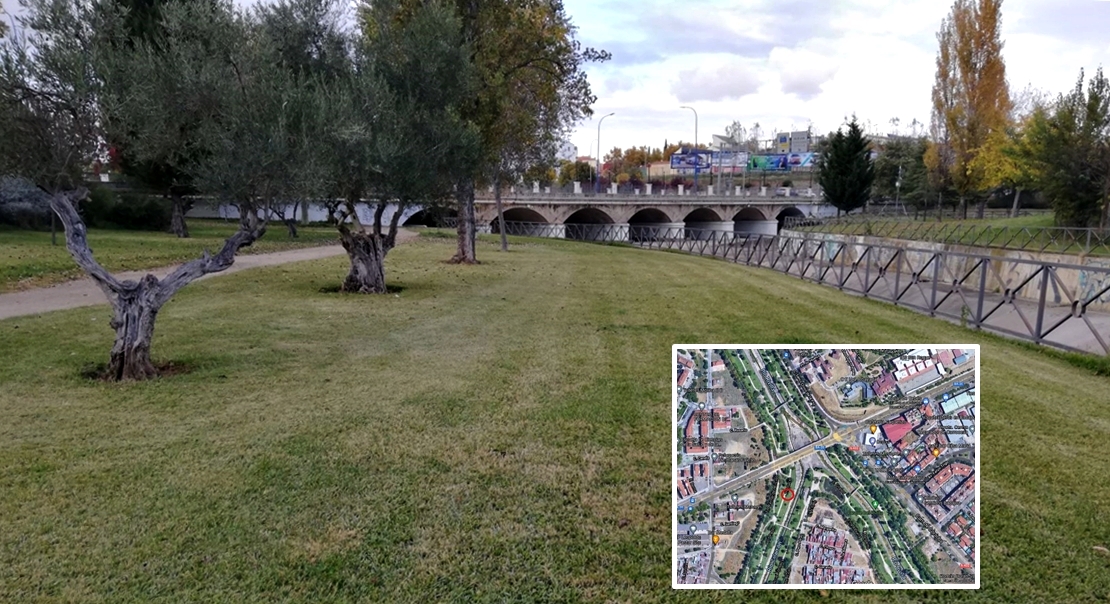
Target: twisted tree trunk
(367, 250)
(367, 253)
(135, 304)
(134, 311)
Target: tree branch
(195, 269)
(78, 244)
(394, 222)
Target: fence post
(1041, 303)
(984, 265)
(894, 296)
(937, 259)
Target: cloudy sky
(793, 63)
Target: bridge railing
(1061, 305)
(667, 193)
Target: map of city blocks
(826, 467)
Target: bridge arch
(430, 217)
(702, 215)
(587, 224)
(754, 222)
(520, 221)
(790, 212)
(589, 216)
(523, 215)
(650, 224)
(702, 222)
(749, 214)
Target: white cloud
(730, 81)
(802, 72)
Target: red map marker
(787, 494)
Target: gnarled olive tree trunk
(135, 304)
(133, 313)
(367, 251)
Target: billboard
(729, 161)
(685, 161)
(781, 162)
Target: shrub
(105, 209)
(96, 209)
(23, 205)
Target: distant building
(568, 151)
(794, 142)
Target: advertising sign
(685, 161)
(780, 162)
(729, 161)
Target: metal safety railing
(1065, 306)
(1061, 240)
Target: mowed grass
(494, 433)
(28, 260)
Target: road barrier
(1065, 306)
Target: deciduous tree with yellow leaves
(971, 100)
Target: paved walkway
(84, 292)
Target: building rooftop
(895, 430)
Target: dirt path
(84, 292)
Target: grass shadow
(338, 289)
(98, 372)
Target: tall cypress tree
(845, 169)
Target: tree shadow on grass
(99, 371)
(337, 289)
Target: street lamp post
(592, 143)
(697, 157)
(597, 184)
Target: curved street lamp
(697, 156)
(597, 175)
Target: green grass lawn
(28, 260)
(491, 433)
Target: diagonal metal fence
(1065, 306)
(1061, 240)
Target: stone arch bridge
(738, 214)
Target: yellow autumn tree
(971, 99)
(1007, 157)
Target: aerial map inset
(846, 466)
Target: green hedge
(106, 209)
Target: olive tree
(390, 129)
(56, 112)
